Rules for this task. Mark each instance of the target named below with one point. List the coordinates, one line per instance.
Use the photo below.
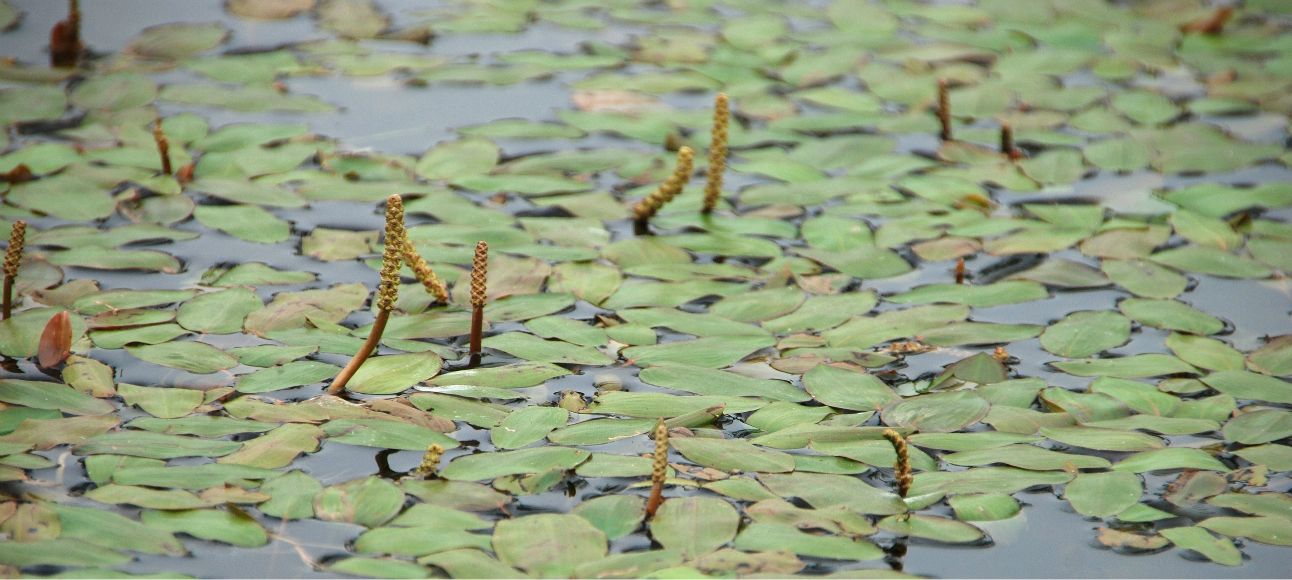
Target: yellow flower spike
(659, 469)
(393, 257)
(902, 470)
(387, 291)
(651, 204)
(12, 259)
(424, 273)
(717, 153)
(430, 463)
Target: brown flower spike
(659, 469)
(717, 153)
(479, 276)
(944, 109)
(387, 291)
(651, 204)
(902, 470)
(1007, 142)
(12, 258)
(65, 38)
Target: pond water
(1152, 274)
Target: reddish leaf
(55, 341)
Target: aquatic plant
(944, 110)
(163, 146)
(65, 45)
(651, 204)
(387, 291)
(717, 153)
(659, 469)
(13, 259)
(479, 290)
(902, 467)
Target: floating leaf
(548, 545)
(694, 525)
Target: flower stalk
(960, 271)
(1007, 142)
(12, 259)
(659, 469)
(65, 38)
(479, 289)
(717, 153)
(902, 469)
(163, 147)
(651, 204)
(387, 291)
(944, 109)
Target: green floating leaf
(527, 425)
(59, 552)
(772, 537)
(1198, 539)
(1259, 426)
(1170, 315)
(370, 502)
(288, 376)
(509, 376)
(1000, 293)
(732, 455)
(194, 357)
(1271, 530)
(984, 507)
(937, 412)
(487, 466)
(231, 526)
(1128, 367)
(703, 381)
(385, 434)
(1275, 358)
(615, 515)
(548, 545)
(1026, 457)
(707, 352)
(154, 445)
(694, 526)
(1250, 386)
(165, 403)
(1168, 459)
(1103, 494)
(933, 528)
(847, 389)
(53, 396)
(1103, 439)
(1082, 334)
(390, 374)
(291, 496)
(178, 40)
(533, 348)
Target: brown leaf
(55, 341)
(1131, 542)
(1212, 24)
